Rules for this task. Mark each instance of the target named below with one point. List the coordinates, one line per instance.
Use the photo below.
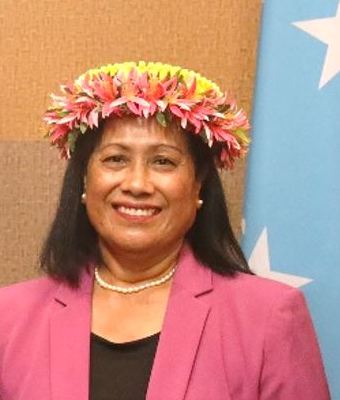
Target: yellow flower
(157, 70)
(204, 84)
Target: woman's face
(141, 188)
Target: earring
(199, 203)
(83, 198)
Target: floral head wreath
(145, 90)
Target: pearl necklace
(133, 289)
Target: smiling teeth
(137, 211)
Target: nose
(137, 180)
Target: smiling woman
(147, 293)
(141, 189)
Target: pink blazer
(241, 338)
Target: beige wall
(45, 42)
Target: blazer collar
(70, 327)
(183, 326)
(191, 275)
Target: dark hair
(72, 242)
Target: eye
(165, 161)
(116, 159)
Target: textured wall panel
(46, 42)
(30, 181)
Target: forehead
(136, 132)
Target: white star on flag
(327, 30)
(259, 262)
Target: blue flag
(292, 208)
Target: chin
(134, 245)
(141, 246)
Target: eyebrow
(152, 146)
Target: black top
(121, 371)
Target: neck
(125, 267)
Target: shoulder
(244, 286)
(25, 308)
(267, 324)
(272, 322)
(29, 287)
(256, 299)
(24, 296)
(243, 291)
(261, 311)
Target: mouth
(136, 212)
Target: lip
(143, 206)
(136, 218)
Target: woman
(147, 293)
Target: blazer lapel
(70, 327)
(183, 326)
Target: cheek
(184, 197)
(179, 189)
(98, 189)
(100, 183)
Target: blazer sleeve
(292, 365)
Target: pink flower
(98, 95)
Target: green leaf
(242, 135)
(72, 138)
(83, 128)
(168, 117)
(62, 113)
(161, 118)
